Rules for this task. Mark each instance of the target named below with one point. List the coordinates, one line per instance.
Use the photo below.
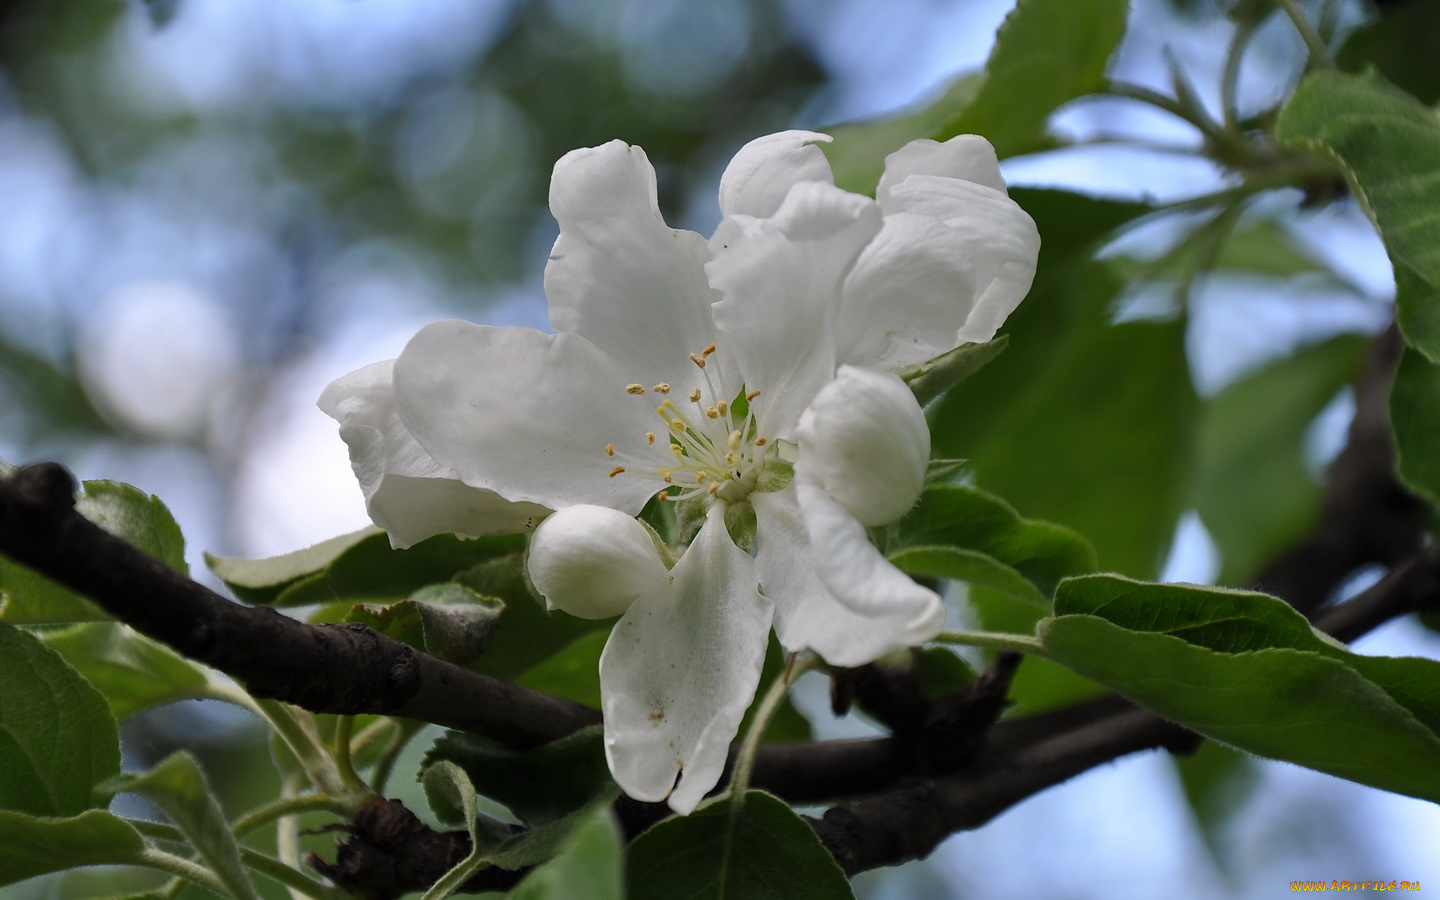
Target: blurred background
(211, 208)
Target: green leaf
(1401, 44)
(1247, 670)
(587, 864)
(31, 845)
(180, 789)
(542, 842)
(1415, 417)
(262, 580)
(765, 852)
(1254, 491)
(27, 598)
(449, 621)
(973, 568)
(964, 518)
(572, 673)
(1047, 53)
(538, 785)
(58, 740)
(131, 671)
(1388, 146)
(448, 779)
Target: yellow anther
(708, 350)
(616, 471)
(701, 477)
(761, 441)
(733, 442)
(677, 426)
(665, 476)
(678, 451)
(752, 395)
(712, 413)
(695, 396)
(649, 437)
(662, 496)
(729, 457)
(714, 487)
(723, 407)
(634, 388)
(697, 360)
(661, 388)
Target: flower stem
(344, 728)
(745, 761)
(286, 806)
(1319, 53)
(180, 867)
(993, 640)
(265, 865)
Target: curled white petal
(967, 157)
(809, 616)
(680, 669)
(763, 171)
(407, 492)
(865, 442)
(592, 561)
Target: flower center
(716, 447)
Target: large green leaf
(58, 740)
(131, 671)
(1254, 491)
(1415, 417)
(27, 598)
(1401, 44)
(1249, 671)
(766, 852)
(538, 785)
(1047, 53)
(262, 580)
(1388, 145)
(31, 845)
(180, 789)
(588, 864)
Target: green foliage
(1415, 418)
(1254, 490)
(262, 580)
(448, 621)
(763, 851)
(132, 672)
(1247, 670)
(1388, 145)
(178, 787)
(1047, 53)
(538, 785)
(588, 861)
(36, 845)
(57, 737)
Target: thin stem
(745, 760)
(1319, 53)
(286, 806)
(1170, 105)
(1231, 77)
(993, 640)
(180, 867)
(344, 728)
(260, 862)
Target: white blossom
(752, 371)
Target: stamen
(712, 413)
(678, 426)
(634, 388)
(661, 388)
(707, 351)
(761, 441)
(752, 395)
(723, 407)
(616, 471)
(609, 449)
(714, 488)
(695, 396)
(649, 437)
(697, 360)
(701, 477)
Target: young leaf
(587, 864)
(448, 779)
(58, 739)
(973, 568)
(1387, 144)
(766, 852)
(1415, 416)
(261, 580)
(132, 672)
(538, 785)
(32, 845)
(180, 789)
(449, 621)
(27, 598)
(1249, 671)
(968, 519)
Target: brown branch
(345, 669)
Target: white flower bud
(593, 562)
(864, 440)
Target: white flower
(703, 366)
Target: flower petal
(865, 442)
(999, 239)
(807, 614)
(781, 281)
(968, 157)
(762, 173)
(407, 492)
(527, 415)
(681, 668)
(618, 275)
(592, 561)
